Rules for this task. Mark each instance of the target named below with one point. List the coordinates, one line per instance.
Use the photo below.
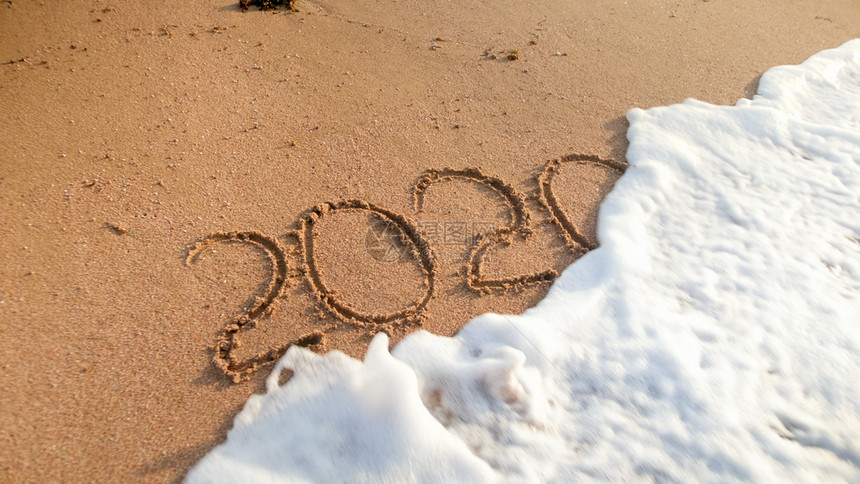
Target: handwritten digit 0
(329, 300)
(576, 240)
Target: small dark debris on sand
(116, 228)
(266, 4)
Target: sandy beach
(131, 133)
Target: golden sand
(172, 176)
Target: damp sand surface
(164, 169)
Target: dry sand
(130, 132)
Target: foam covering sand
(711, 337)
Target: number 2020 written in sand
(402, 235)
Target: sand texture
(187, 189)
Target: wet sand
(130, 133)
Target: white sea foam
(714, 335)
